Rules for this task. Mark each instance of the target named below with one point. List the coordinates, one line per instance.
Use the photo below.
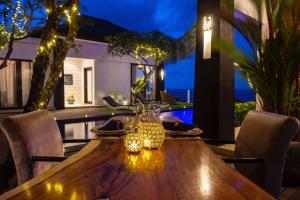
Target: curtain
(8, 85)
(26, 80)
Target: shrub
(241, 109)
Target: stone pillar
(214, 74)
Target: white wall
(74, 66)
(112, 78)
(112, 74)
(248, 7)
(25, 49)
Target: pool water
(185, 115)
(81, 130)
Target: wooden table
(182, 169)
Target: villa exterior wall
(247, 7)
(112, 74)
(24, 50)
(112, 78)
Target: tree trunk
(42, 61)
(39, 94)
(60, 53)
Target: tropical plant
(272, 67)
(241, 109)
(149, 50)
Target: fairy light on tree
(69, 13)
(148, 49)
(14, 26)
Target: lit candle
(133, 142)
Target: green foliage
(273, 65)
(241, 109)
(154, 45)
(149, 49)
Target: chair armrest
(47, 159)
(216, 141)
(243, 160)
(75, 140)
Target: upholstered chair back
(32, 134)
(265, 135)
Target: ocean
(240, 95)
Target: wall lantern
(207, 36)
(162, 74)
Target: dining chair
(260, 148)
(7, 167)
(36, 143)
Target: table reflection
(145, 161)
(205, 185)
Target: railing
(185, 95)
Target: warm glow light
(153, 134)
(58, 187)
(162, 74)
(207, 36)
(49, 187)
(133, 142)
(27, 190)
(146, 161)
(205, 184)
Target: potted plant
(71, 100)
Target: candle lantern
(133, 142)
(153, 134)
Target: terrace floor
(290, 193)
(86, 112)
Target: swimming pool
(185, 115)
(81, 129)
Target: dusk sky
(172, 17)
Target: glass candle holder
(153, 134)
(133, 142)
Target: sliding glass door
(137, 75)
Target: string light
(16, 25)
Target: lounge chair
(167, 98)
(144, 101)
(112, 104)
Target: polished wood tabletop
(181, 169)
